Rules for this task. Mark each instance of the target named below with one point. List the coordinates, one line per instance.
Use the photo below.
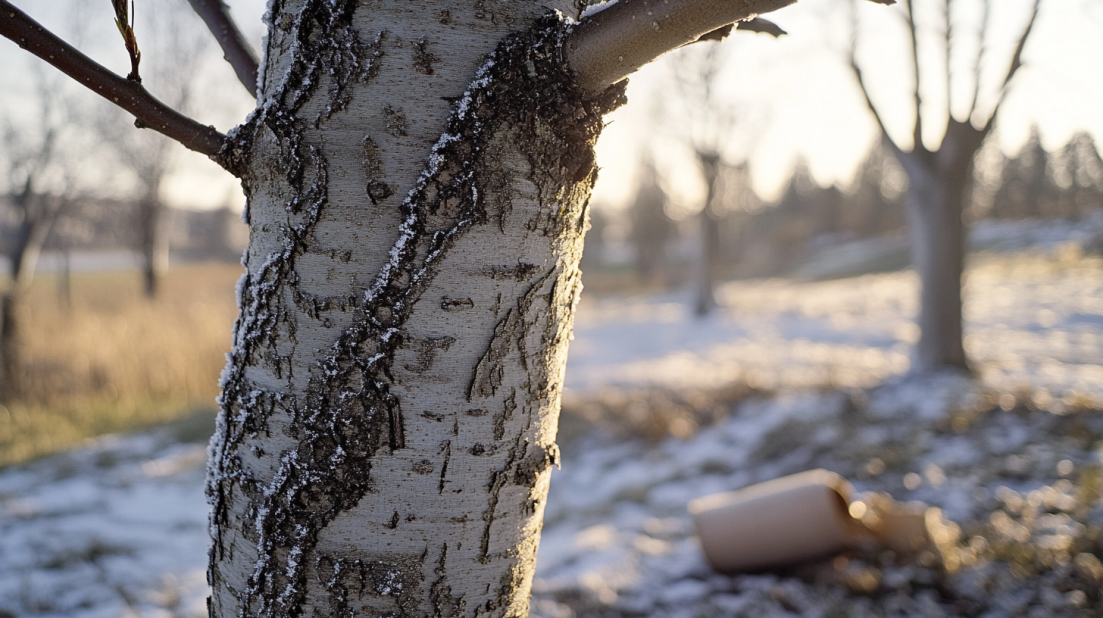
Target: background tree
(1026, 188)
(1078, 175)
(173, 50)
(652, 227)
(416, 211)
(705, 120)
(34, 157)
(938, 176)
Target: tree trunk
(154, 241)
(933, 203)
(32, 233)
(389, 409)
(709, 228)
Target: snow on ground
(1032, 320)
(118, 527)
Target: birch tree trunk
(388, 415)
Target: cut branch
(612, 44)
(237, 50)
(129, 95)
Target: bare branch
(1016, 62)
(949, 45)
(917, 132)
(872, 109)
(983, 48)
(129, 95)
(885, 138)
(237, 50)
(612, 44)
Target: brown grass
(116, 361)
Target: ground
(661, 409)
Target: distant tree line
(757, 239)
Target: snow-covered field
(117, 528)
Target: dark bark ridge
(350, 414)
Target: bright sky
(796, 95)
(804, 101)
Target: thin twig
(129, 95)
(237, 50)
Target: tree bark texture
(416, 213)
(934, 203)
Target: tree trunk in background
(153, 240)
(704, 277)
(938, 253)
(934, 203)
(33, 230)
(10, 358)
(389, 410)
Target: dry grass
(116, 361)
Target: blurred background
(750, 239)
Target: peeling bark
(388, 414)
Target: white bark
(389, 411)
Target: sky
(795, 96)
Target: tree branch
(612, 44)
(869, 103)
(1016, 62)
(983, 48)
(131, 96)
(949, 34)
(236, 49)
(917, 132)
(885, 138)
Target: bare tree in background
(938, 176)
(33, 151)
(652, 227)
(704, 122)
(175, 46)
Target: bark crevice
(349, 414)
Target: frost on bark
(388, 414)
